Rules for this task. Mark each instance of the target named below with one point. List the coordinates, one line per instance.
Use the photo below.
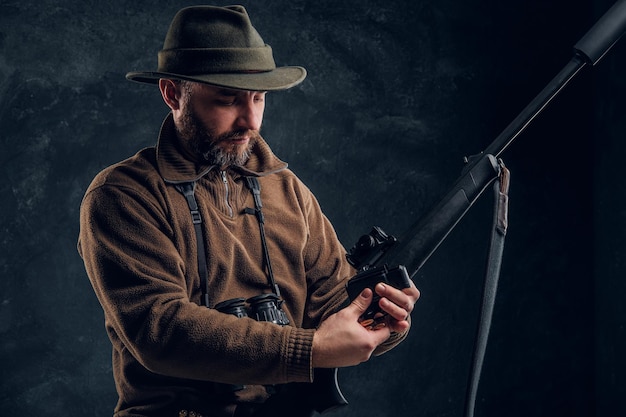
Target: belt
(227, 411)
(236, 410)
(185, 413)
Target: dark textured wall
(609, 205)
(398, 92)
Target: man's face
(220, 125)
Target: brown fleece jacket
(139, 248)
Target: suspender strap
(255, 188)
(494, 261)
(187, 189)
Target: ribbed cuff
(299, 355)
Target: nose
(250, 114)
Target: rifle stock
(301, 399)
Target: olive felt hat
(219, 46)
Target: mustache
(253, 135)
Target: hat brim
(281, 78)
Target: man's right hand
(342, 341)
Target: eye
(226, 98)
(226, 102)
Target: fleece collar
(175, 168)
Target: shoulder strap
(255, 188)
(187, 189)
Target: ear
(170, 93)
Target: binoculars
(264, 307)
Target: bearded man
(180, 250)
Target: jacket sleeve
(139, 278)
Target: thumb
(360, 304)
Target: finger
(397, 312)
(398, 326)
(395, 296)
(412, 292)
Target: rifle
(421, 240)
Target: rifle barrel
(588, 50)
(424, 236)
(532, 110)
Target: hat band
(215, 60)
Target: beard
(216, 149)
